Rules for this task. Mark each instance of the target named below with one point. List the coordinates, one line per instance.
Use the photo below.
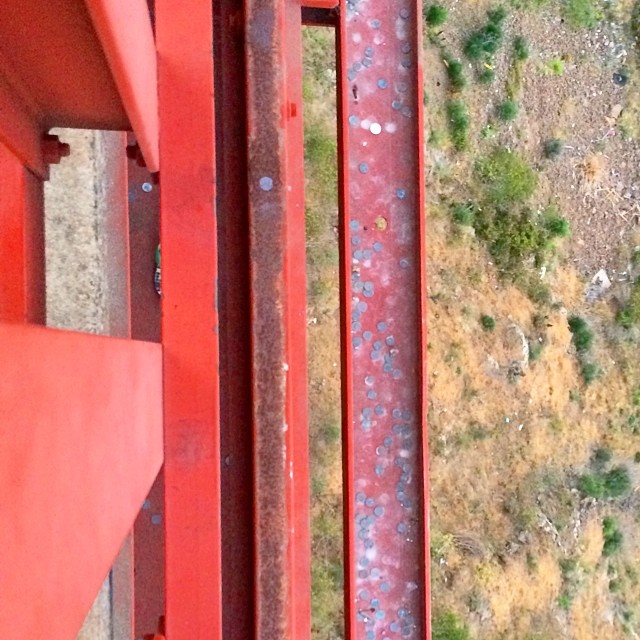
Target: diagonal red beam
(80, 445)
(184, 34)
(125, 33)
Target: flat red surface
(383, 244)
(80, 445)
(184, 35)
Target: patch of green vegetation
(613, 484)
(507, 177)
(552, 148)
(589, 372)
(435, 15)
(488, 132)
(484, 43)
(555, 66)
(529, 5)
(535, 350)
(629, 315)
(520, 48)
(601, 457)
(555, 224)
(488, 323)
(463, 214)
(437, 138)
(447, 626)
(582, 336)
(612, 536)
(486, 75)
(582, 14)
(455, 72)
(459, 122)
(507, 111)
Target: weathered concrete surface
(81, 292)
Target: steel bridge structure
(175, 453)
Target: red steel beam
(22, 281)
(383, 334)
(278, 314)
(83, 447)
(184, 34)
(125, 33)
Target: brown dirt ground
(505, 452)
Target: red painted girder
(384, 409)
(22, 281)
(184, 37)
(80, 446)
(125, 33)
(278, 318)
(59, 69)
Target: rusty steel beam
(83, 446)
(278, 318)
(383, 333)
(184, 36)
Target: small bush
(497, 15)
(556, 66)
(488, 323)
(556, 225)
(612, 536)
(617, 482)
(552, 148)
(458, 117)
(507, 111)
(436, 15)
(507, 177)
(636, 457)
(520, 48)
(590, 372)
(486, 76)
(601, 456)
(447, 626)
(455, 72)
(582, 336)
(581, 14)
(591, 485)
(483, 43)
(629, 316)
(564, 601)
(463, 214)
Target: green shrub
(556, 66)
(506, 177)
(486, 76)
(552, 148)
(458, 118)
(497, 15)
(455, 72)
(488, 323)
(556, 225)
(612, 536)
(582, 335)
(601, 456)
(591, 485)
(564, 601)
(483, 43)
(581, 14)
(447, 626)
(617, 482)
(520, 48)
(507, 111)
(463, 214)
(590, 372)
(629, 316)
(435, 15)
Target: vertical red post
(22, 277)
(277, 248)
(184, 36)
